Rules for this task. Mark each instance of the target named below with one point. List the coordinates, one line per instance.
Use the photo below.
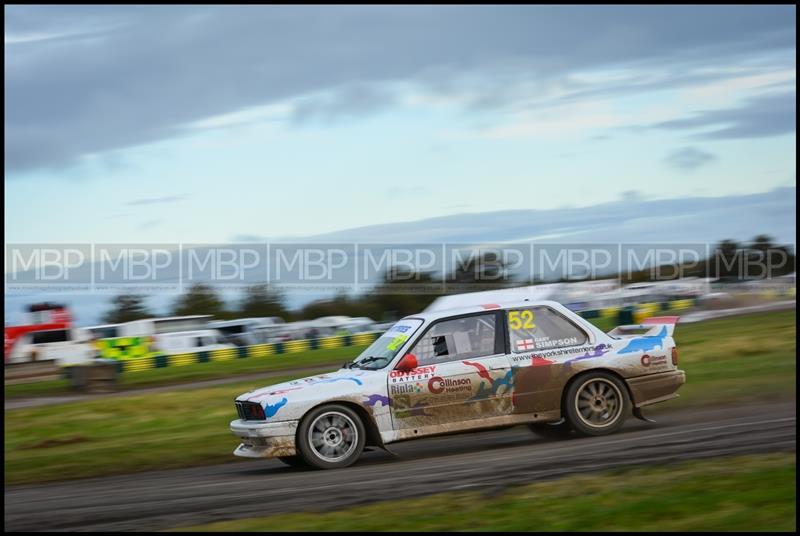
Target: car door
(543, 345)
(462, 374)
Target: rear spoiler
(654, 326)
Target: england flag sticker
(525, 344)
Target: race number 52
(521, 319)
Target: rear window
(541, 328)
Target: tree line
(407, 292)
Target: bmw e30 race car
(473, 368)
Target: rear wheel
(596, 404)
(553, 430)
(330, 437)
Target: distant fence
(129, 362)
(633, 314)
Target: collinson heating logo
(648, 360)
(438, 385)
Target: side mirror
(407, 363)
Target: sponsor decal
(525, 358)
(400, 328)
(438, 385)
(406, 388)
(598, 351)
(529, 360)
(494, 386)
(419, 373)
(372, 400)
(397, 342)
(648, 360)
(482, 372)
(356, 380)
(271, 409)
(547, 342)
(324, 379)
(643, 344)
(272, 393)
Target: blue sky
(205, 123)
(213, 124)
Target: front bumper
(265, 439)
(654, 388)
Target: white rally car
(477, 367)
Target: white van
(190, 341)
(170, 324)
(248, 331)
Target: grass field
(732, 360)
(747, 493)
(737, 359)
(122, 435)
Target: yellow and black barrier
(135, 353)
(125, 347)
(154, 360)
(633, 314)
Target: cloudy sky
(216, 124)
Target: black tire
(552, 430)
(293, 461)
(596, 403)
(330, 437)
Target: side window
(541, 328)
(459, 338)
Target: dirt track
(487, 460)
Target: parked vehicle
(360, 324)
(460, 369)
(190, 341)
(104, 331)
(170, 324)
(247, 331)
(40, 317)
(70, 346)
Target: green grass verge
(199, 371)
(741, 360)
(747, 493)
(122, 435)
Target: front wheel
(596, 404)
(330, 437)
